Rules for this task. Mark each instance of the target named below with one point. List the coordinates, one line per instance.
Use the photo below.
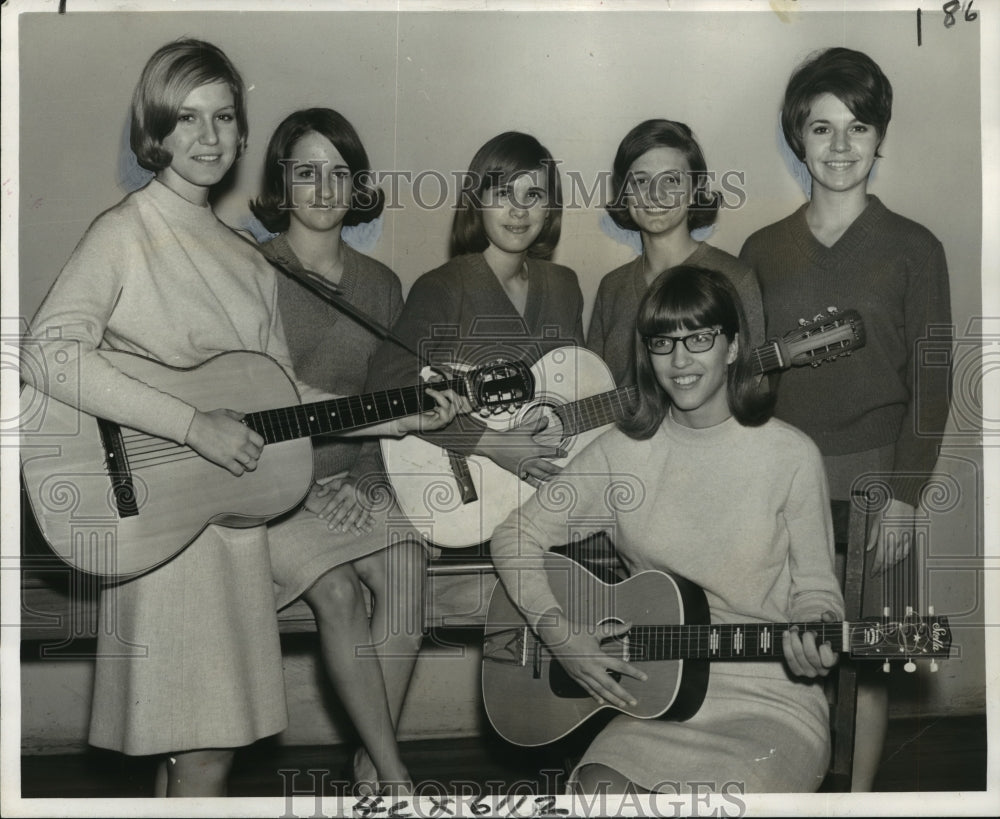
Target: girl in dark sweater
(879, 414)
(317, 182)
(497, 294)
(660, 188)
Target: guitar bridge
(509, 646)
(119, 470)
(460, 469)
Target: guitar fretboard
(615, 405)
(723, 641)
(767, 358)
(350, 412)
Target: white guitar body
(423, 477)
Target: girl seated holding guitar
(315, 184)
(660, 188)
(497, 296)
(733, 501)
(160, 276)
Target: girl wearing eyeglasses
(724, 496)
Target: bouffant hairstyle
(852, 77)
(173, 72)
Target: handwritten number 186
(950, 9)
(953, 6)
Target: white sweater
(744, 512)
(162, 277)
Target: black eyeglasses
(700, 342)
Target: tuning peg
(832, 310)
(802, 322)
(910, 667)
(934, 666)
(886, 667)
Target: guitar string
(145, 451)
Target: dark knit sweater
(896, 389)
(460, 312)
(611, 333)
(330, 349)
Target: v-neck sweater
(332, 350)
(459, 312)
(896, 389)
(611, 333)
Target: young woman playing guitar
(699, 482)
(160, 276)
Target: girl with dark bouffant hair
(700, 483)
(660, 187)
(844, 247)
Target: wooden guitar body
(105, 527)
(458, 500)
(423, 475)
(529, 698)
(114, 501)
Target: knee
(337, 595)
(402, 564)
(195, 773)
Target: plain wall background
(426, 89)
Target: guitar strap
(329, 292)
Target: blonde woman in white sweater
(159, 275)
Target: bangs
(507, 156)
(506, 173)
(685, 306)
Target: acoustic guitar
(459, 500)
(531, 700)
(110, 500)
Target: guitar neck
(616, 405)
(723, 641)
(347, 413)
(767, 358)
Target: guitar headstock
(912, 638)
(826, 337)
(500, 386)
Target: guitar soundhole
(554, 433)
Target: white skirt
(189, 656)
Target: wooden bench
(59, 606)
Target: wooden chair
(851, 524)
